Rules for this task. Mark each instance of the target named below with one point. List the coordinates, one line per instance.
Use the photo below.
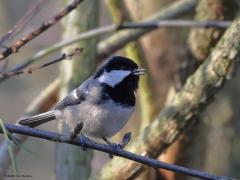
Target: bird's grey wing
(73, 98)
(76, 96)
(91, 91)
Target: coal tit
(104, 102)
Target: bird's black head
(121, 76)
(119, 71)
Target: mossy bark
(209, 129)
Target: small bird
(104, 102)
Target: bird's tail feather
(39, 119)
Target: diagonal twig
(116, 41)
(56, 137)
(22, 22)
(30, 70)
(45, 25)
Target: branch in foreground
(45, 25)
(42, 103)
(56, 137)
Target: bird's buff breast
(103, 120)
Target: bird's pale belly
(103, 120)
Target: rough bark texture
(194, 96)
(201, 40)
(72, 163)
(210, 129)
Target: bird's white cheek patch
(113, 77)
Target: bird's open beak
(139, 71)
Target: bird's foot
(76, 130)
(116, 146)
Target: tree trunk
(71, 162)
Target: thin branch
(175, 23)
(116, 41)
(43, 53)
(56, 137)
(112, 28)
(22, 22)
(45, 25)
(120, 39)
(30, 70)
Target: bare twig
(120, 39)
(117, 40)
(22, 22)
(146, 25)
(45, 25)
(56, 137)
(175, 23)
(43, 53)
(30, 70)
(113, 28)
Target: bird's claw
(76, 130)
(117, 146)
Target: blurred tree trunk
(134, 51)
(71, 162)
(201, 40)
(4, 19)
(160, 49)
(158, 46)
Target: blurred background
(171, 55)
